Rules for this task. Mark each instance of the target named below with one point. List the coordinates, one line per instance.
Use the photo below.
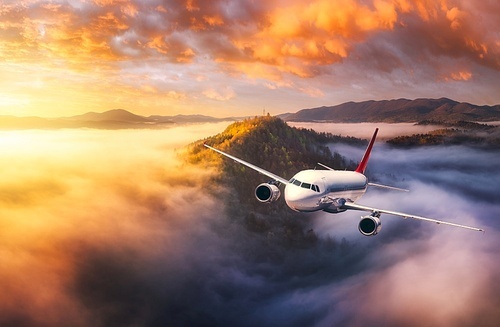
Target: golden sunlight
(66, 191)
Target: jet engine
(370, 225)
(267, 193)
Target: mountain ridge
(398, 111)
(389, 111)
(110, 115)
(111, 119)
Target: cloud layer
(109, 228)
(318, 50)
(294, 36)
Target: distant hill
(458, 133)
(111, 115)
(398, 111)
(112, 119)
(126, 116)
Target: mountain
(111, 115)
(399, 110)
(270, 143)
(126, 116)
(391, 111)
(112, 119)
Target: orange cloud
(276, 41)
(292, 37)
(306, 34)
(459, 76)
(224, 94)
(301, 37)
(455, 16)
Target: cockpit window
(310, 186)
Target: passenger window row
(313, 187)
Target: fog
(90, 218)
(365, 130)
(111, 228)
(426, 274)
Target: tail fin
(362, 164)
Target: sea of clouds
(112, 228)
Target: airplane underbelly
(306, 205)
(342, 196)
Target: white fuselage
(312, 190)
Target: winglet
(362, 164)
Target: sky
(242, 57)
(112, 228)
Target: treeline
(487, 137)
(270, 143)
(461, 124)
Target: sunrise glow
(60, 58)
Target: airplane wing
(353, 206)
(389, 187)
(243, 162)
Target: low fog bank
(426, 274)
(111, 228)
(365, 130)
(96, 226)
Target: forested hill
(399, 110)
(270, 143)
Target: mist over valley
(133, 228)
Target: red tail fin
(362, 164)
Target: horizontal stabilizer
(325, 166)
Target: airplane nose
(292, 196)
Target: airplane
(330, 190)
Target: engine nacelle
(267, 193)
(370, 225)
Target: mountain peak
(270, 143)
(114, 115)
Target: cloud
(72, 197)
(424, 267)
(328, 51)
(297, 37)
(109, 228)
(224, 94)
